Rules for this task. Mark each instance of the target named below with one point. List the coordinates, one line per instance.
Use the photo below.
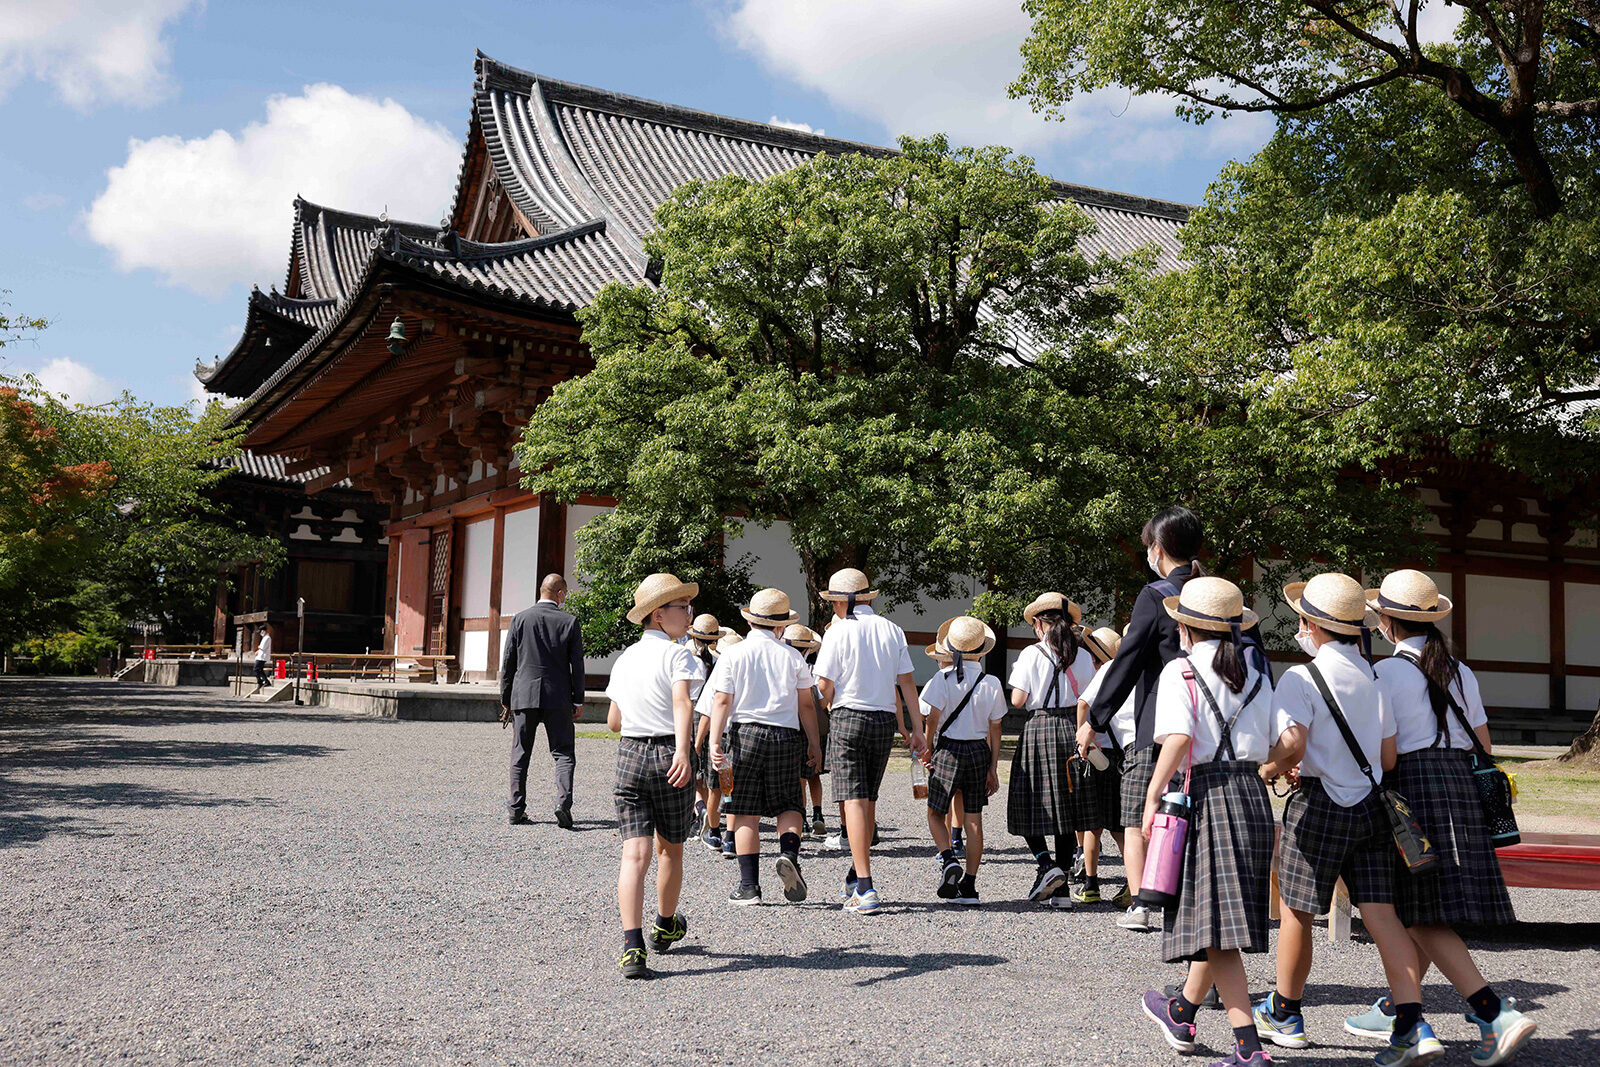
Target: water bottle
(1097, 758)
(1163, 859)
(919, 779)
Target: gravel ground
(187, 879)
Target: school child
(708, 803)
(966, 706)
(1212, 717)
(805, 640)
(957, 818)
(724, 844)
(1440, 719)
(1334, 719)
(1047, 679)
(1101, 799)
(763, 698)
(864, 674)
(649, 694)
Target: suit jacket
(542, 663)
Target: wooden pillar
(497, 567)
(552, 554)
(391, 591)
(1461, 522)
(1556, 537)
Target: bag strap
(1054, 691)
(1344, 727)
(956, 714)
(1224, 726)
(1461, 716)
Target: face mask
(1151, 560)
(1308, 646)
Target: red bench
(1552, 861)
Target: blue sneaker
(1419, 1046)
(728, 852)
(1285, 1033)
(1502, 1038)
(1158, 1009)
(712, 839)
(1376, 1022)
(863, 903)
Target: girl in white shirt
(1048, 679)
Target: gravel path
(187, 879)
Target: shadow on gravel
(32, 701)
(1563, 937)
(1437, 996)
(847, 958)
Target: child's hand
(680, 772)
(994, 781)
(1149, 818)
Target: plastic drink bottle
(1097, 758)
(919, 779)
(1163, 858)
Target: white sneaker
(865, 903)
(1137, 917)
(837, 842)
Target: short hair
(552, 585)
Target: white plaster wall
(519, 577)
(477, 559)
(1508, 619)
(776, 565)
(578, 515)
(1583, 624)
(475, 650)
(1583, 694)
(1514, 690)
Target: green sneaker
(664, 937)
(1084, 895)
(1502, 1038)
(1124, 898)
(1377, 1022)
(633, 963)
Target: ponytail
(1441, 668)
(1059, 637)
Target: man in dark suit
(541, 681)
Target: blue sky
(141, 255)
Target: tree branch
(1569, 109)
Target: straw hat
(1103, 643)
(769, 607)
(849, 584)
(965, 635)
(656, 590)
(937, 653)
(725, 642)
(802, 637)
(1211, 604)
(1335, 602)
(1052, 602)
(1409, 595)
(705, 628)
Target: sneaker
(634, 963)
(1158, 1009)
(1419, 1046)
(1501, 1038)
(1285, 1033)
(728, 852)
(1046, 882)
(712, 839)
(1210, 1000)
(969, 896)
(957, 845)
(1061, 899)
(1124, 897)
(819, 828)
(864, 903)
(1255, 1059)
(1137, 917)
(664, 937)
(1085, 895)
(949, 880)
(1374, 1022)
(698, 819)
(1079, 871)
(837, 842)
(745, 895)
(794, 884)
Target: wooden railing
(373, 666)
(211, 651)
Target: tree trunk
(1586, 745)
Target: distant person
(263, 657)
(541, 681)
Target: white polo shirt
(988, 703)
(1177, 714)
(1034, 668)
(765, 677)
(863, 655)
(642, 680)
(1407, 690)
(1122, 721)
(1366, 709)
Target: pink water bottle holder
(1162, 883)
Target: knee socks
(750, 871)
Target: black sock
(633, 938)
(1182, 1011)
(1091, 881)
(816, 813)
(955, 836)
(947, 855)
(1246, 1040)
(969, 881)
(1485, 1004)
(749, 871)
(1065, 847)
(864, 885)
(850, 875)
(789, 843)
(664, 921)
(1040, 850)
(1406, 1018)
(1283, 1007)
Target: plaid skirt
(859, 743)
(1137, 770)
(1228, 867)
(767, 761)
(1098, 800)
(959, 767)
(647, 803)
(1040, 798)
(1323, 842)
(1468, 886)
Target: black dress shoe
(519, 818)
(564, 818)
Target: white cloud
(924, 66)
(210, 212)
(91, 50)
(803, 127)
(43, 201)
(1437, 22)
(70, 379)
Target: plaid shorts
(646, 802)
(767, 761)
(1137, 770)
(959, 767)
(859, 743)
(1228, 866)
(1323, 842)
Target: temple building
(402, 360)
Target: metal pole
(299, 647)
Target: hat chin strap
(956, 657)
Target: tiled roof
(331, 247)
(565, 268)
(272, 468)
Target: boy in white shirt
(965, 709)
(649, 692)
(763, 697)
